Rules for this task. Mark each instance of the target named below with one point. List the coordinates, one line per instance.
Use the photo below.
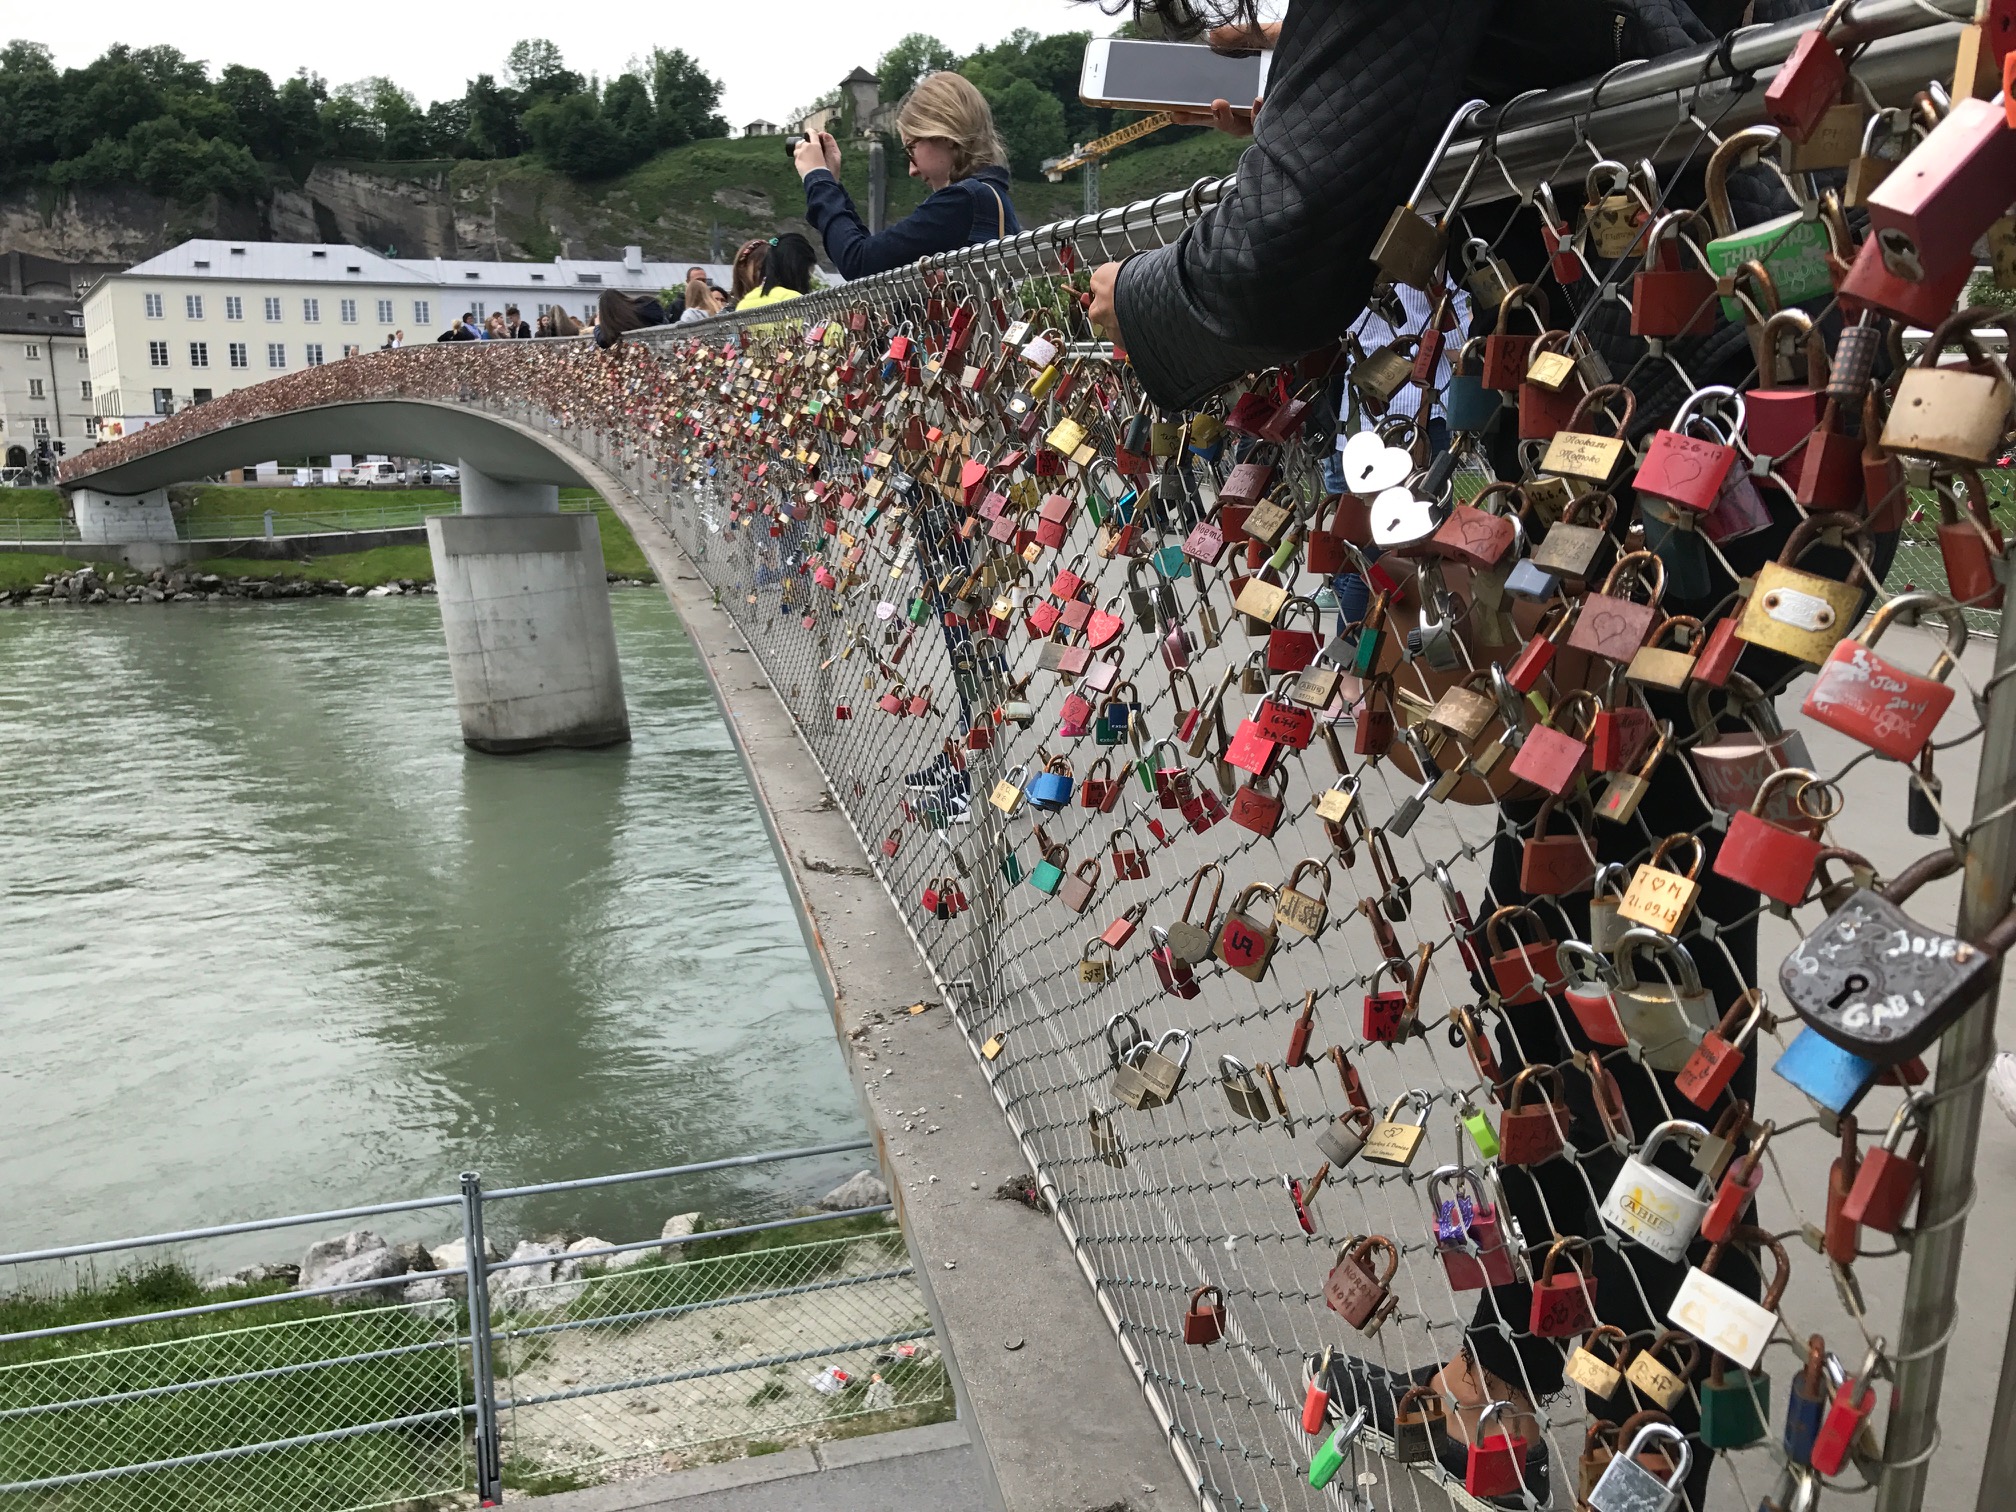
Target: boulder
(359, 1255)
(862, 1189)
(324, 1253)
(570, 1275)
(517, 1289)
(676, 1227)
(254, 1275)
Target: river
(272, 940)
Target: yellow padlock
(1801, 613)
(1660, 898)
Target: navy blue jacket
(962, 213)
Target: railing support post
(476, 1266)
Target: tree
(899, 69)
(536, 71)
(298, 116)
(686, 97)
(255, 110)
(573, 135)
(494, 127)
(30, 92)
(626, 105)
(1031, 124)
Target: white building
(45, 382)
(209, 317)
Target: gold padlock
(1463, 710)
(1300, 911)
(1658, 666)
(1800, 613)
(1393, 1143)
(1576, 453)
(1589, 1370)
(1658, 897)
(1658, 1381)
(1262, 600)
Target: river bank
(93, 583)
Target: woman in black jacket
(949, 138)
(619, 312)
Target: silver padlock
(1653, 1208)
(1666, 1018)
(1343, 1139)
(1606, 928)
(1627, 1486)
(1241, 1090)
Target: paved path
(917, 1468)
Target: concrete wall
(105, 519)
(531, 646)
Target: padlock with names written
(1653, 1378)
(1564, 1300)
(1191, 942)
(1162, 1071)
(1720, 1316)
(1354, 1292)
(1244, 943)
(1304, 912)
(1660, 898)
(1874, 701)
(1393, 1143)
(1589, 1370)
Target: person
(514, 324)
(398, 339)
(748, 270)
(1282, 264)
(563, 323)
(949, 137)
(619, 312)
(787, 272)
(697, 302)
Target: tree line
(153, 117)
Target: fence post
(1965, 1051)
(476, 1266)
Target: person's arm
(1357, 98)
(943, 222)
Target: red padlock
(1668, 299)
(1868, 284)
(1554, 866)
(1316, 1400)
(1252, 749)
(1177, 979)
(1830, 471)
(1256, 809)
(1388, 1016)
(1204, 1322)
(1777, 860)
(1684, 469)
(1732, 1199)
(1932, 208)
(1298, 1033)
(1550, 758)
(1523, 973)
(1877, 702)
(1719, 1056)
(1808, 83)
(1843, 1238)
(1590, 998)
(1496, 1462)
(1564, 1303)
(1969, 548)
(1853, 1401)
(1537, 655)
(1718, 655)
(1884, 1186)
(1121, 930)
(1618, 737)
(1505, 352)
(1529, 1135)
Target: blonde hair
(945, 105)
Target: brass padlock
(1241, 1090)
(1162, 1074)
(1660, 898)
(1800, 613)
(1393, 1143)
(1303, 912)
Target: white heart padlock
(1400, 519)
(1369, 464)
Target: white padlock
(1655, 1209)
(1627, 1486)
(1722, 1318)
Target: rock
(359, 1255)
(383, 590)
(863, 1189)
(433, 1289)
(677, 1226)
(416, 1257)
(517, 1289)
(254, 1275)
(354, 592)
(570, 1274)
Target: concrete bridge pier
(525, 608)
(140, 526)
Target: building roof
(321, 262)
(860, 76)
(27, 315)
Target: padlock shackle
(1309, 863)
(1638, 936)
(1171, 1035)
(1685, 1464)
(1441, 1176)
(1927, 868)
(1749, 1235)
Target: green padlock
(1793, 248)
(1049, 873)
(1171, 563)
(1328, 1460)
(920, 609)
(1482, 1135)
(1371, 636)
(1011, 867)
(1735, 1406)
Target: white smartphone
(1129, 75)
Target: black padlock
(1878, 983)
(1921, 814)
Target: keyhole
(1856, 983)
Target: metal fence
(138, 1385)
(62, 529)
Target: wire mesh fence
(130, 1382)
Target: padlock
(1523, 973)
(1204, 1321)
(1529, 1135)
(1832, 1077)
(1667, 1018)
(1241, 1090)
(1625, 790)
(1121, 930)
(1389, 1017)
(1653, 1379)
(1591, 998)
(1476, 536)
(1720, 1315)
(1719, 1056)
(1777, 860)
(1887, 1179)
(1589, 455)
(1806, 1404)
(1575, 548)
(1105, 1142)
(1627, 1486)
(1948, 186)
(1969, 547)
(1659, 897)
(1555, 866)
(1505, 351)
(1049, 873)
(1732, 767)
(1410, 247)
(1885, 1005)
(1173, 971)
(1796, 612)
(1343, 1139)
(1093, 971)
(1667, 298)
(1162, 1073)
(1564, 1303)
(1354, 1292)
(1290, 650)
(1735, 1406)
(1256, 809)
(1646, 1204)
(1854, 1400)
(1128, 1086)
(1792, 248)
(1685, 469)
(1657, 665)
(1468, 1232)
(1316, 1395)
(1550, 757)
(1415, 1418)
(1612, 626)
(1393, 1143)
(1244, 943)
(1191, 942)
(1078, 889)
(1495, 1463)
(1335, 1451)
(1396, 893)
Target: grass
(211, 501)
(32, 504)
(369, 1468)
(24, 569)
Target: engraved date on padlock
(1802, 611)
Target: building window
(481, 309)
(384, 312)
(234, 307)
(351, 349)
(272, 309)
(91, 426)
(32, 352)
(34, 388)
(313, 355)
(154, 310)
(157, 354)
(276, 354)
(199, 396)
(192, 306)
(85, 391)
(238, 355)
(311, 309)
(348, 310)
(421, 316)
(588, 313)
(41, 425)
(199, 354)
(164, 401)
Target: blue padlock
(1533, 583)
(1051, 787)
(1470, 406)
(1806, 1404)
(1831, 1076)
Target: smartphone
(1169, 76)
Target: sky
(772, 56)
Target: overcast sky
(772, 55)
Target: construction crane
(1087, 154)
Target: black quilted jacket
(1359, 92)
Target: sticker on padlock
(1646, 1204)
(1720, 1316)
(1800, 613)
(1469, 1231)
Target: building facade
(45, 384)
(209, 317)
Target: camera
(793, 143)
